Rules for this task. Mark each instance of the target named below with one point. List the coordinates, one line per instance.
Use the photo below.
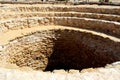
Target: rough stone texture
(109, 17)
(62, 8)
(98, 74)
(54, 49)
(108, 27)
(66, 16)
(76, 44)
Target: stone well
(83, 41)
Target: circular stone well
(62, 48)
(82, 40)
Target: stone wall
(64, 8)
(111, 28)
(100, 19)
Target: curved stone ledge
(91, 9)
(62, 48)
(109, 73)
(61, 14)
(108, 27)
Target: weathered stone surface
(82, 42)
(98, 74)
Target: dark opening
(73, 53)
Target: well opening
(62, 49)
